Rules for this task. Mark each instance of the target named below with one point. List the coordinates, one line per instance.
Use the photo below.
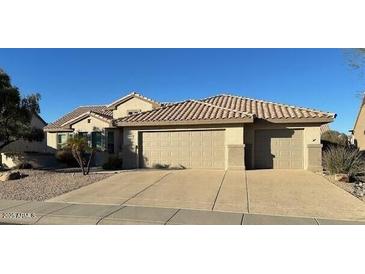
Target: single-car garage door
(279, 148)
(190, 149)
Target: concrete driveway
(183, 189)
(300, 193)
(272, 192)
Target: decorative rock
(342, 178)
(10, 175)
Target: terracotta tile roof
(264, 109)
(219, 108)
(98, 110)
(190, 110)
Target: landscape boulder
(342, 178)
(10, 175)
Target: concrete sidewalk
(28, 212)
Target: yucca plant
(81, 151)
(345, 160)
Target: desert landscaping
(40, 185)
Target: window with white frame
(62, 140)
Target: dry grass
(344, 160)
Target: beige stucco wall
(235, 154)
(22, 146)
(81, 126)
(51, 140)
(234, 144)
(37, 160)
(312, 145)
(311, 136)
(131, 104)
(359, 130)
(94, 125)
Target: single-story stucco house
(26, 151)
(223, 131)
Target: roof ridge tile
(274, 103)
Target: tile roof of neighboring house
(264, 109)
(187, 111)
(40, 118)
(98, 110)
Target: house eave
(300, 120)
(186, 122)
(53, 130)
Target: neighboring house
(223, 131)
(10, 153)
(358, 133)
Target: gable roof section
(40, 118)
(186, 112)
(83, 111)
(85, 115)
(130, 96)
(268, 110)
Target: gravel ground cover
(349, 187)
(40, 185)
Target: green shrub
(343, 160)
(113, 163)
(65, 156)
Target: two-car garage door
(189, 149)
(279, 148)
(273, 148)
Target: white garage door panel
(279, 148)
(191, 149)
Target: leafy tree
(81, 151)
(356, 58)
(335, 137)
(16, 113)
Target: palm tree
(80, 149)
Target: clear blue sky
(67, 78)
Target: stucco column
(235, 148)
(314, 157)
(236, 157)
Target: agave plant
(344, 160)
